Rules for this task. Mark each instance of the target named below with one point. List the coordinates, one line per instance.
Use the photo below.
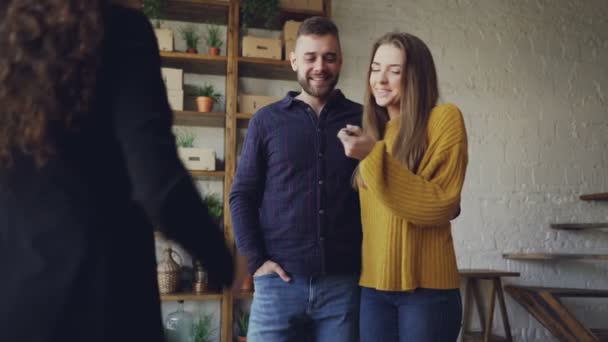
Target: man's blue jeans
(321, 309)
(423, 315)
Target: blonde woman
(413, 158)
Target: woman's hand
(356, 144)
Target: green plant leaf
(153, 9)
(213, 37)
(267, 10)
(203, 329)
(189, 34)
(208, 90)
(184, 138)
(214, 205)
(243, 323)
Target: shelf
(190, 296)
(189, 118)
(595, 197)
(483, 273)
(216, 11)
(244, 116)
(286, 14)
(243, 294)
(198, 11)
(563, 292)
(207, 174)
(266, 68)
(579, 226)
(554, 256)
(194, 62)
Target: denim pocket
(264, 276)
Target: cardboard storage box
(174, 78)
(165, 39)
(252, 103)
(176, 99)
(290, 30)
(290, 45)
(310, 5)
(197, 158)
(261, 47)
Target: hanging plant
(265, 10)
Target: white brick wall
(531, 78)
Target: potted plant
(243, 326)
(203, 329)
(153, 10)
(191, 37)
(214, 42)
(266, 10)
(206, 96)
(194, 158)
(215, 206)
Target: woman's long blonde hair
(419, 94)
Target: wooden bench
(544, 304)
(472, 294)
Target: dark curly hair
(48, 64)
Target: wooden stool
(472, 294)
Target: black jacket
(77, 256)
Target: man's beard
(322, 92)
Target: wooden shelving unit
(198, 10)
(192, 296)
(207, 174)
(266, 68)
(554, 256)
(244, 116)
(579, 226)
(243, 295)
(194, 63)
(188, 118)
(595, 197)
(233, 67)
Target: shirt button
(321, 212)
(320, 182)
(320, 155)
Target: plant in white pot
(206, 96)
(153, 10)
(194, 158)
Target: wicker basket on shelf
(169, 272)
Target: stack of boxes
(174, 81)
(261, 47)
(270, 48)
(252, 103)
(290, 32)
(165, 39)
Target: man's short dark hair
(318, 26)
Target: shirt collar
(289, 99)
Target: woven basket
(169, 272)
